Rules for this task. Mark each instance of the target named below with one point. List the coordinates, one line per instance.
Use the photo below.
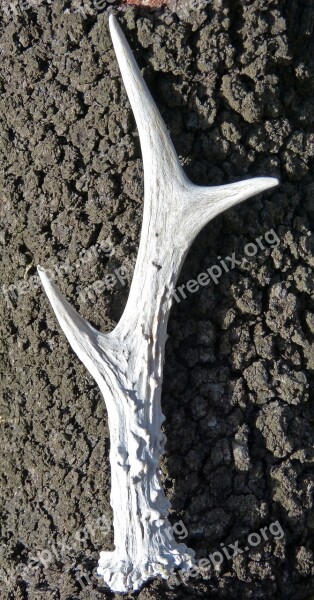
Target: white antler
(127, 363)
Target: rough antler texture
(127, 363)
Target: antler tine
(127, 363)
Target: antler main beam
(127, 363)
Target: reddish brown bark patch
(148, 3)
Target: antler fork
(127, 363)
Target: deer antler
(127, 363)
